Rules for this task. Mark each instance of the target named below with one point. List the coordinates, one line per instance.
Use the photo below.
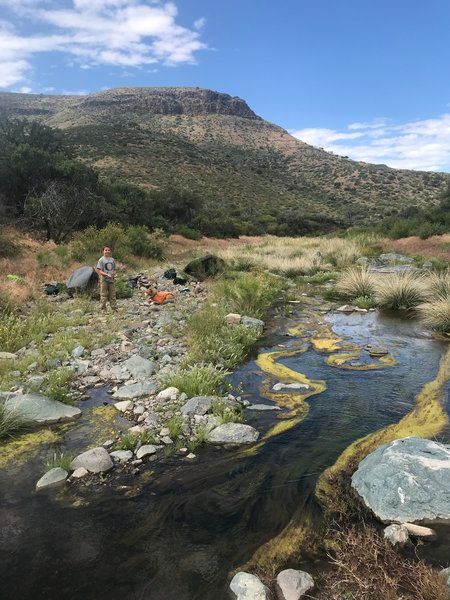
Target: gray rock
(168, 394)
(445, 575)
(252, 322)
(292, 584)
(80, 472)
(362, 261)
(199, 405)
(96, 460)
(246, 586)
(52, 478)
(139, 367)
(418, 531)
(121, 455)
(35, 382)
(406, 480)
(145, 450)
(33, 366)
(81, 366)
(98, 353)
(396, 534)
(40, 409)
(124, 405)
(8, 356)
(427, 265)
(135, 390)
(278, 387)
(233, 433)
(263, 407)
(78, 351)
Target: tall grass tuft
(438, 285)
(12, 424)
(356, 282)
(248, 294)
(400, 291)
(197, 380)
(59, 459)
(436, 314)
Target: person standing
(106, 269)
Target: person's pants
(107, 293)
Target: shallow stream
(175, 531)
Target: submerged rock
(40, 409)
(278, 387)
(263, 407)
(406, 480)
(53, 478)
(292, 584)
(96, 460)
(233, 433)
(246, 586)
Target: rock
(168, 394)
(233, 319)
(427, 264)
(167, 440)
(8, 356)
(53, 363)
(278, 387)
(32, 367)
(80, 472)
(81, 366)
(40, 409)
(252, 323)
(346, 308)
(191, 455)
(52, 478)
(246, 586)
(98, 353)
(263, 407)
(135, 430)
(126, 346)
(123, 406)
(139, 367)
(139, 411)
(362, 261)
(108, 443)
(199, 405)
(36, 382)
(145, 450)
(78, 351)
(96, 460)
(445, 575)
(135, 390)
(376, 351)
(292, 584)
(396, 534)
(121, 455)
(418, 531)
(392, 258)
(406, 480)
(164, 431)
(233, 433)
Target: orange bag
(159, 297)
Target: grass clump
(8, 247)
(356, 282)
(200, 435)
(57, 385)
(397, 291)
(59, 459)
(438, 285)
(147, 437)
(12, 424)
(436, 314)
(248, 294)
(175, 426)
(364, 302)
(127, 441)
(197, 380)
(226, 414)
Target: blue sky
(367, 79)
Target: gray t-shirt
(108, 265)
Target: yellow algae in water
(20, 450)
(267, 363)
(344, 360)
(326, 342)
(428, 418)
(102, 420)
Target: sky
(368, 79)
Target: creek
(178, 529)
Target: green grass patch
(59, 459)
(226, 414)
(147, 437)
(12, 424)
(197, 380)
(127, 441)
(364, 302)
(57, 385)
(175, 426)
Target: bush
(400, 291)
(57, 385)
(226, 414)
(356, 282)
(142, 242)
(8, 247)
(123, 288)
(197, 380)
(188, 232)
(12, 424)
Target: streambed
(176, 530)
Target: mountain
(214, 145)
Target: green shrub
(197, 380)
(9, 248)
(356, 282)
(200, 434)
(188, 232)
(91, 241)
(147, 437)
(12, 424)
(123, 288)
(438, 285)
(127, 441)
(59, 459)
(175, 426)
(142, 242)
(248, 294)
(364, 302)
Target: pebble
(80, 472)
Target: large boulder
(96, 460)
(40, 409)
(292, 584)
(135, 390)
(82, 279)
(205, 266)
(246, 586)
(139, 367)
(406, 480)
(233, 433)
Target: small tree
(61, 209)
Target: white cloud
(422, 144)
(122, 33)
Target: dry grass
(436, 314)
(356, 282)
(401, 291)
(438, 285)
(366, 567)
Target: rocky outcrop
(406, 480)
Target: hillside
(216, 146)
